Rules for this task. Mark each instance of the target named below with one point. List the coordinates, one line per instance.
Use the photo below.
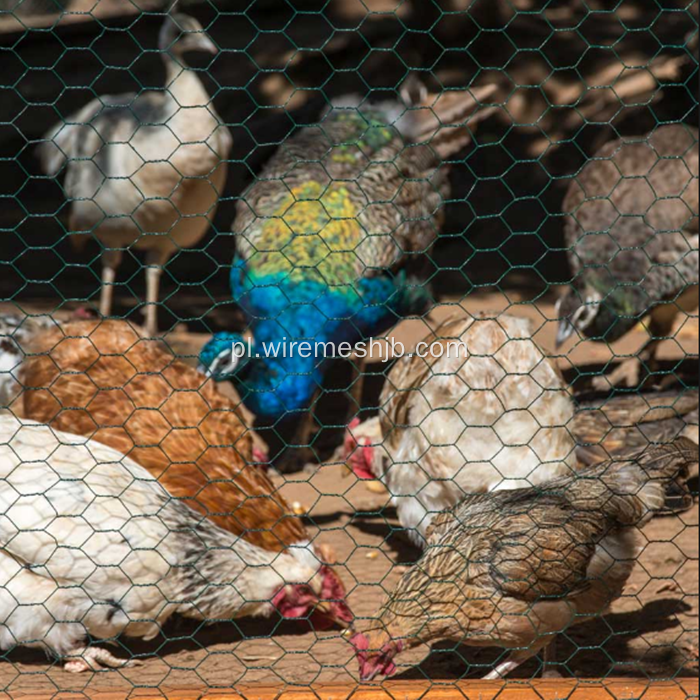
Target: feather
(103, 380)
(92, 546)
(631, 232)
(628, 424)
(144, 170)
(492, 413)
(513, 569)
(327, 232)
(495, 415)
(15, 334)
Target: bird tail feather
(446, 121)
(637, 409)
(631, 492)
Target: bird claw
(96, 659)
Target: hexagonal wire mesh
(413, 387)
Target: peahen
(633, 244)
(144, 171)
(326, 236)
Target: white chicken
(91, 547)
(490, 414)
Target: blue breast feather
(308, 310)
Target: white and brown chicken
(92, 547)
(492, 413)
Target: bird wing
(527, 544)
(540, 542)
(545, 551)
(397, 154)
(410, 375)
(626, 424)
(113, 152)
(491, 408)
(104, 120)
(353, 197)
(367, 194)
(61, 141)
(75, 511)
(440, 526)
(131, 394)
(629, 192)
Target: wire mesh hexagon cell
(348, 349)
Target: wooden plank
(611, 689)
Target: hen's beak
(565, 330)
(329, 619)
(323, 607)
(347, 626)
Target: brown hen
(103, 380)
(513, 569)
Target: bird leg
(304, 432)
(153, 275)
(95, 658)
(516, 659)
(550, 667)
(298, 451)
(628, 373)
(111, 259)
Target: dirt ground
(652, 631)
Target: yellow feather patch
(312, 234)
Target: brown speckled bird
(513, 569)
(104, 381)
(632, 233)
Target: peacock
(327, 237)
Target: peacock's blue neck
(289, 362)
(282, 311)
(274, 387)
